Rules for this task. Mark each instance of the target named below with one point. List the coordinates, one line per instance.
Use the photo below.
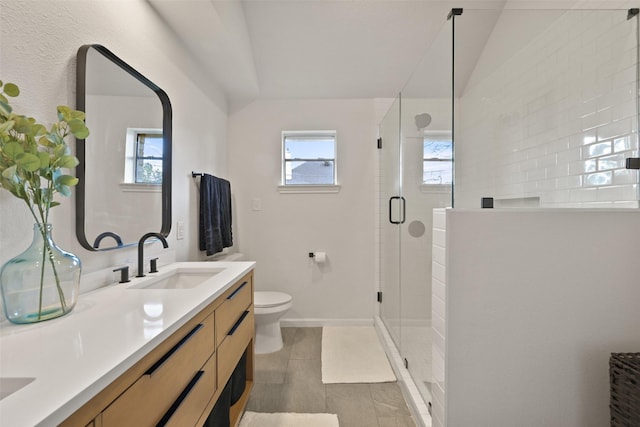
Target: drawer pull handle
(173, 350)
(233, 294)
(165, 419)
(237, 324)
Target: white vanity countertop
(74, 357)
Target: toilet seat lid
(270, 299)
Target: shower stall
(415, 176)
(521, 108)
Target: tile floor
(290, 381)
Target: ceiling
(283, 49)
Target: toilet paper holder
(318, 257)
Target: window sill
(141, 188)
(308, 189)
(435, 188)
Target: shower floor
(416, 348)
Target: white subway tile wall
(438, 317)
(556, 120)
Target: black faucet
(124, 274)
(141, 250)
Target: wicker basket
(624, 375)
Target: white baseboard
(311, 323)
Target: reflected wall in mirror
(125, 164)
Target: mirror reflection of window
(148, 161)
(143, 156)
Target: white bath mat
(288, 419)
(353, 354)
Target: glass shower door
(389, 178)
(426, 171)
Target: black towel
(215, 214)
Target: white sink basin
(178, 279)
(9, 385)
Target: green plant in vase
(42, 282)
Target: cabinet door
(190, 405)
(235, 301)
(234, 345)
(153, 394)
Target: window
(144, 156)
(308, 158)
(437, 159)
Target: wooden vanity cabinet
(179, 382)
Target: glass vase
(41, 283)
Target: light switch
(180, 230)
(257, 204)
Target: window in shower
(437, 159)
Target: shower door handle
(403, 209)
(391, 199)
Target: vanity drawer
(194, 398)
(234, 345)
(235, 301)
(152, 395)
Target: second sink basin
(9, 385)
(178, 279)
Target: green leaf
(68, 162)
(11, 90)
(28, 162)
(10, 173)
(5, 108)
(64, 113)
(60, 150)
(44, 159)
(77, 115)
(66, 180)
(54, 204)
(12, 149)
(38, 129)
(6, 126)
(78, 128)
(82, 134)
(44, 141)
(23, 124)
(4, 99)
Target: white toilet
(269, 308)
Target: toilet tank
(227, 256)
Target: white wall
(38, 45)
(550, 112)
(288, 226)
(534, 307)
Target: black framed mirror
(124, 188)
